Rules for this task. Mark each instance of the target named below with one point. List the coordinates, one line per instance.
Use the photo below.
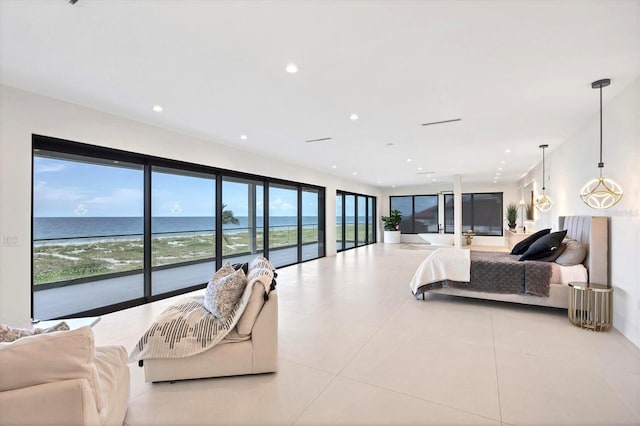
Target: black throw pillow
(523, 245)
(544, 246)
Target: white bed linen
(452, 264)
(567, 274)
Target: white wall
(23, 114)
(574, 162)
(510, 192)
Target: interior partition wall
(113, 229)
(355, 220)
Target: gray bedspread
(496, 272)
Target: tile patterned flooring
(357, 348)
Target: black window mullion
(219, 209)
(299, 223)
(147, 237)
(265, 219)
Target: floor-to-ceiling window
(113, 229)
(312, 231)
(355, 220)
(87, 225)
(183, 239)
(242, 218)
(349, 221)
(283, 224)
(339, 222)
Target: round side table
(591, 306)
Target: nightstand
(590, 305)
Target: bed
(590, 230)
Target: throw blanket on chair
(186, 328)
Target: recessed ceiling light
(419, 168)
(434, 180)
(495, 181)
(353, 117)
(393, 186)
(292, 68)
(379, 182)
(157, 108)
(334, 166)
(499, 168)
(409, 160)
(502, 162)
(243, 137)
(507, 150)
(498, 174)
(355, 173)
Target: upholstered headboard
(594, 232)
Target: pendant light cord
(600, 164)
(543, 169)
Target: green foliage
(512, 214)
(528, 213)
(392, 222)
(228, 217)
(62, 262)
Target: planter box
(392, 237)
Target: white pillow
(223, 292)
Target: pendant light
(601, 193)
(543, 203)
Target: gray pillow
(224, 291)
(574, 253)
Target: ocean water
(47, 228)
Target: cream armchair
(250, 348)
(61, 378)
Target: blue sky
(63, 188)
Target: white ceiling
(518, 73)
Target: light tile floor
(357, 348)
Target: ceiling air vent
(318, 140)
(441, 122)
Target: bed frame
(590, 230)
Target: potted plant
(392, 227)
(512, 215)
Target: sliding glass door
(183, 238)
(114, 229)
(242, 219)
(87, 233)
(355, 220)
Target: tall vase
(392, 237)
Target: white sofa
(250, 348)
(61, 378)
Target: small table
(590, 305)
(73, 323)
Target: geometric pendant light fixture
(601, 193)
(543, 203)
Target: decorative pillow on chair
(523, 245)
(10, 334)
(544, 246)
(573, 255)
(224, 290)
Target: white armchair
(62, 378)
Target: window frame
(473, 224)
(79, 149)
(413, 211)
